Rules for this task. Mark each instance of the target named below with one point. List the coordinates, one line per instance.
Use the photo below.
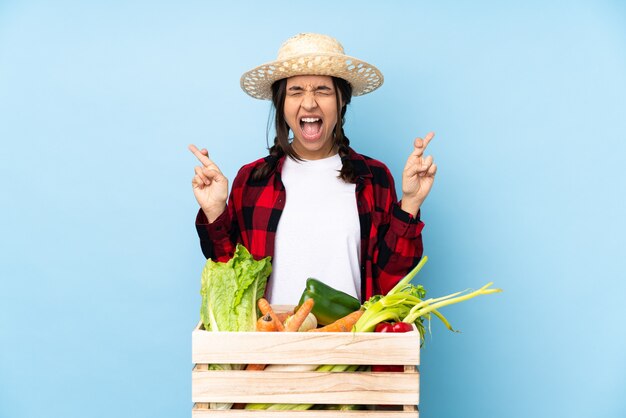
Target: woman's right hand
(210, 186)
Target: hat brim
(363, 77)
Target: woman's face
(311, 113)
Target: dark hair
(282, 146)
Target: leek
(406, 303)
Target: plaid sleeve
(215, 237)
(219, 238)
(398, 235)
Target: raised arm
(210, 186)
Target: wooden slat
(207, 413)
(410, 408)
(361, 388)
(305, 348)
(201, 367)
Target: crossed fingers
(208, 172)
(417, 163)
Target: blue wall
(100, 264)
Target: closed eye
(321, 90)
(324, 90)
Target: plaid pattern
(391, 240)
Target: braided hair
(282, 146)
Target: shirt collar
(361, 169)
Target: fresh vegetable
(330, 304)
(393, 327)
(265, 324)
(301, 314)
(230, 291)
(266, 309)
(229, 298)
(404, 303)
(339, 407)
(431, 305)
(291, 367)
(309, 323)
(344, 324)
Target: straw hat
(311, 54)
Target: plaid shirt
(391, 240)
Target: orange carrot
(265, 324)
(298, 318)
(266, 309)
(344, 324)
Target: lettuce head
(230, 291)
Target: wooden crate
(397, 393)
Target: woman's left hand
(418, 176)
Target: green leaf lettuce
(230, 291)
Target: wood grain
(201, 367)
(395, 394)
(305, 348)
(360, 388)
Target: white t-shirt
(318, 233)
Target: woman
(315, 205)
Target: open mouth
(311, 128)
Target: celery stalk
(404, 303)
(406, 279)
(430, 308)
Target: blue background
(100, 263)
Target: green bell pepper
(330, 304)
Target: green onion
(405, 302)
